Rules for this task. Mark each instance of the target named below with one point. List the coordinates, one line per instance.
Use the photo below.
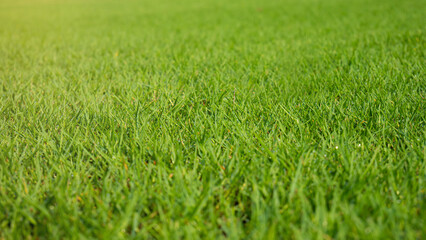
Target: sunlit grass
(209, 119)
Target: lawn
(291, 119)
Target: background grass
(191, 119)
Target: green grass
(212, 119)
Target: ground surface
(212, 119)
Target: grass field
(294, 119)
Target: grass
(296, 119)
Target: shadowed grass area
(209, 119)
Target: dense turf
(212, 119)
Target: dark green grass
(212, 119)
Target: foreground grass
(156, 119)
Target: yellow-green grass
(293, 119)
